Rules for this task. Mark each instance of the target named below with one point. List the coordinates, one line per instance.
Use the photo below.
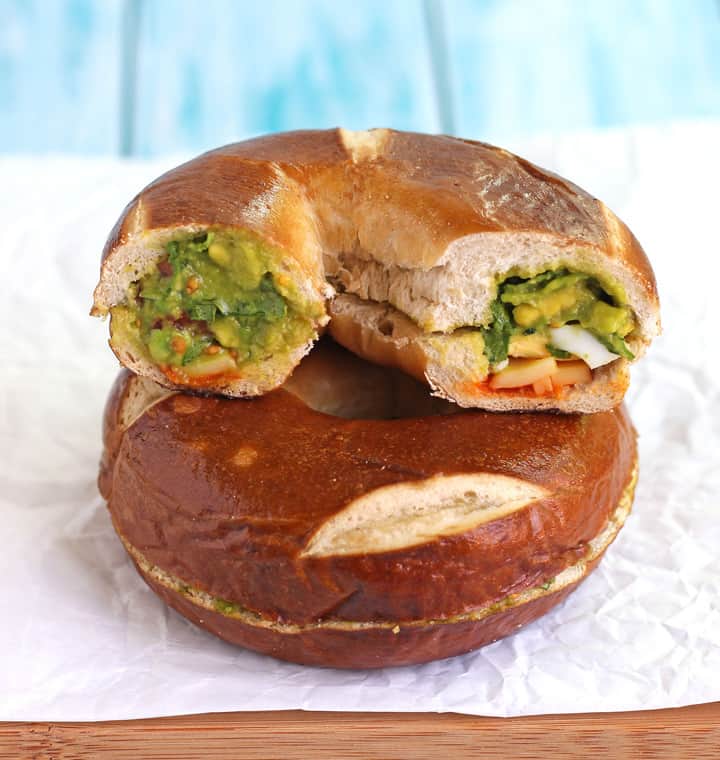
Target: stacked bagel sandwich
(382, 503)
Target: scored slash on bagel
(408, 514)
(499, 284)
(358, 538)
(369, 644)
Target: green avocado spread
(527, 305)
(214, 302)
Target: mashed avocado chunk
(533, 305)
(214, 302)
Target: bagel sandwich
(393, 530)
(499, 284)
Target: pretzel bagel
(360, 542)
(455, 261)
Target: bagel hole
(334, 381)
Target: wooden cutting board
(687, 733)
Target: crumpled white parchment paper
(82, 638)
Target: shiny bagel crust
(422, 223)
(277, 513)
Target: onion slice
(583, 344)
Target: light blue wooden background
(150, 77)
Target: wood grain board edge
(687, 732)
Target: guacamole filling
(527, 309)
(213, 303)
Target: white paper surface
(82, 637)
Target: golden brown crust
(234, 497)
(424, 222)
(257, 185)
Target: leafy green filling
(551, 299)
(558, 353)
(616, 345)
(214, 302)
(225, 607)
(497, 336)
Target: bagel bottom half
(393, 530)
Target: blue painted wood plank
(218, 71)
(527, 66)
(213, 71)
(59, 75)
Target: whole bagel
(400, 241)
(362, 542)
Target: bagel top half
(500, 284)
